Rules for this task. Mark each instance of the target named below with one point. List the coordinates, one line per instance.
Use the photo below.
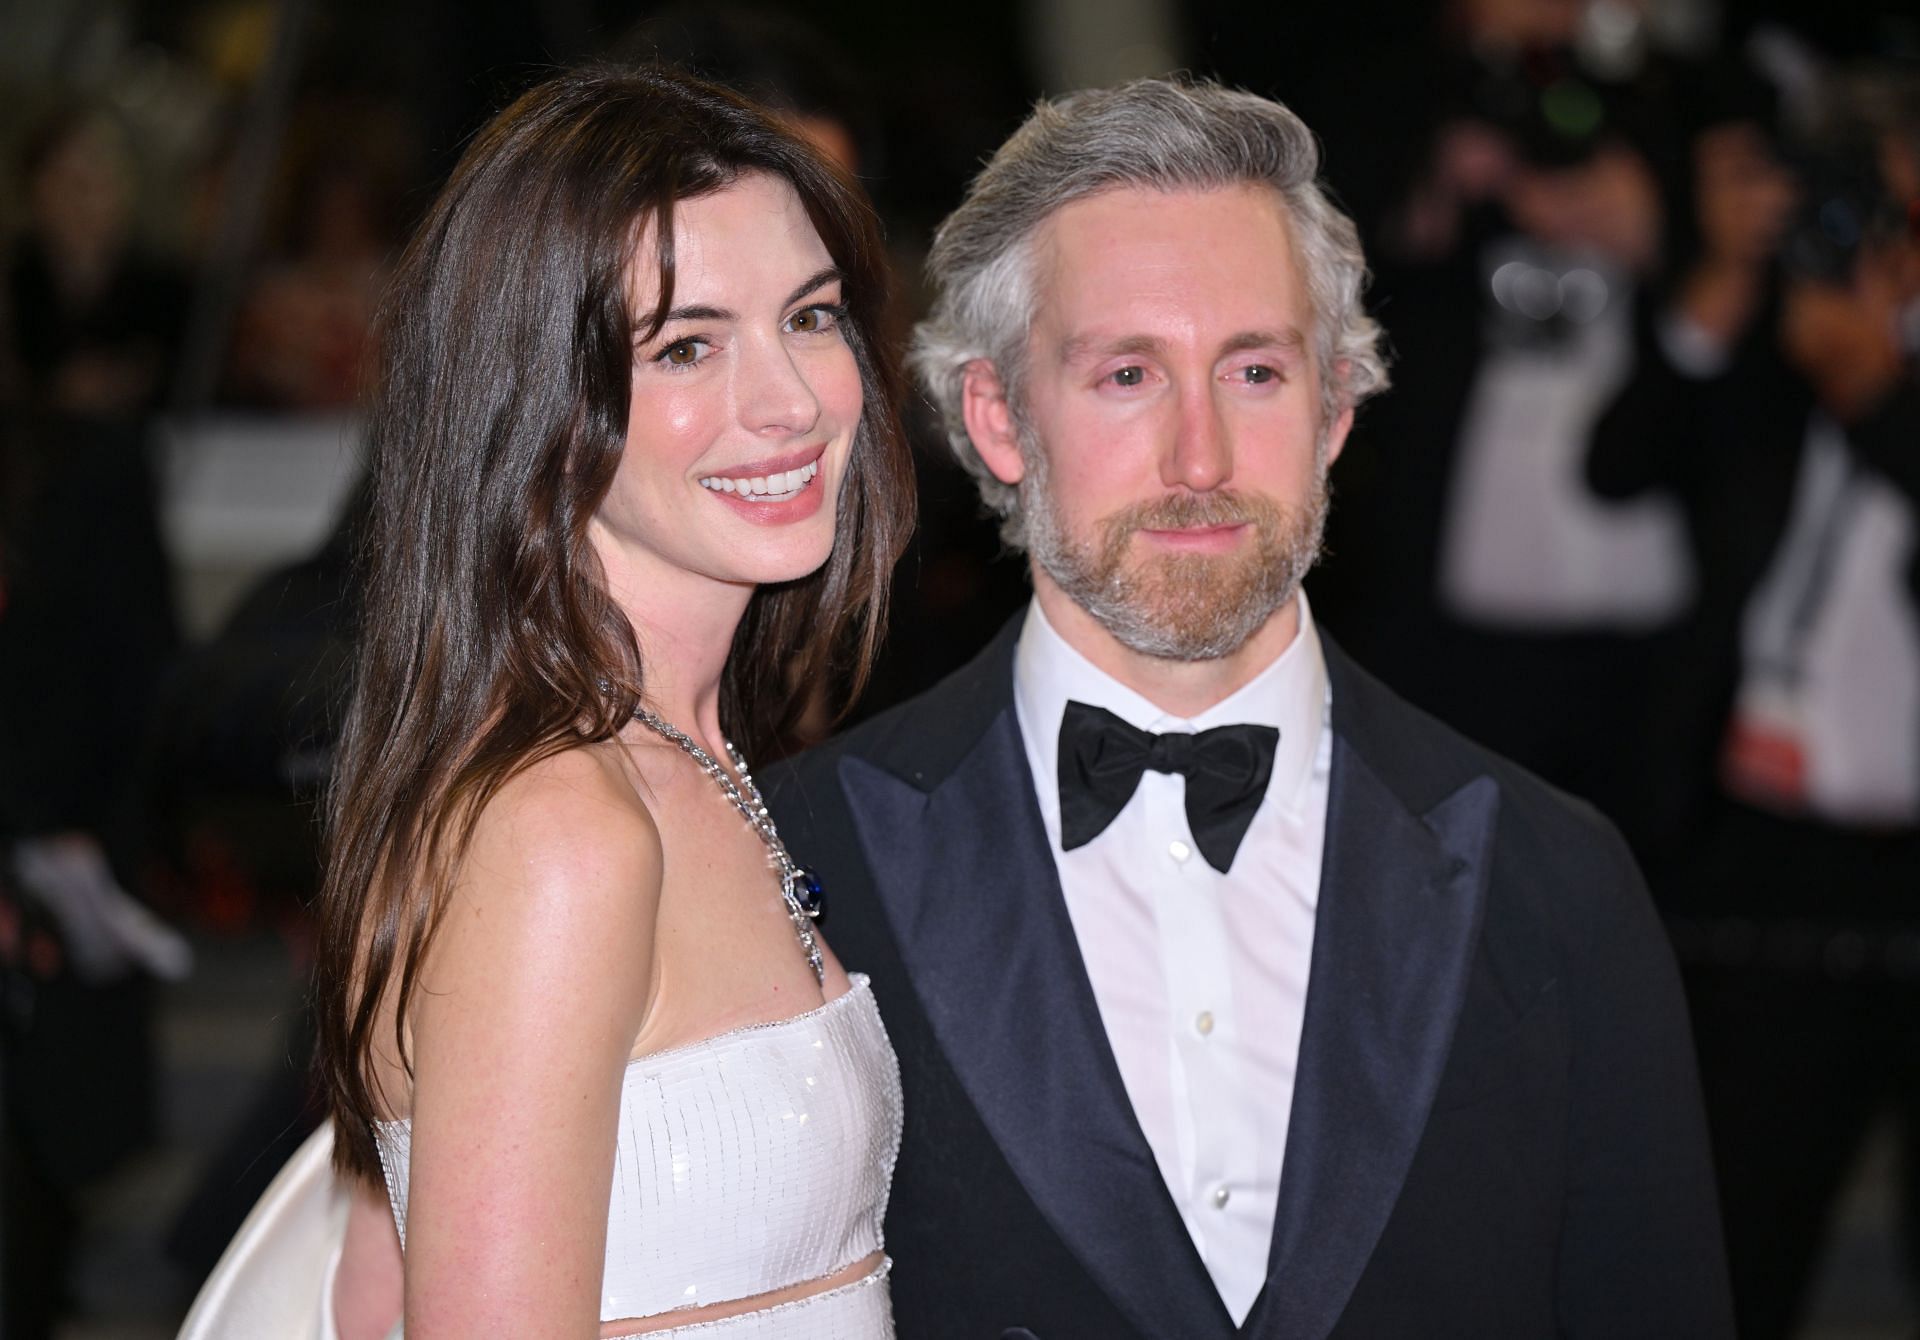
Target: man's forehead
(1118, 264)
(1170, 215)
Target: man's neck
(1179, 688)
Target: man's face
(1173, 455)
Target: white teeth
(778, 486)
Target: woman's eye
(819, 317)
(681, 354)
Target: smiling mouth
(776, 487)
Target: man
(1231, 994)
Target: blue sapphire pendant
(804, 885)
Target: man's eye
(1129, 376)
(1259, 374)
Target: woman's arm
(367, 1287)
(528, 1006)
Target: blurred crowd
(1640, 514)
(1640, 511)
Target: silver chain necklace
(799, 889)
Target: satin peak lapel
(1400, 907)
(973, 899)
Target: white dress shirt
(1201, 978)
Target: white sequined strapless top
(748, 1162)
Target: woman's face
(744, 404)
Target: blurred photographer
(1470, 560)
(1780, 408)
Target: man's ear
(1337, 433)
(989, 420)
(1342, 422)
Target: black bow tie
(1102, 757)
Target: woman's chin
(787, 564)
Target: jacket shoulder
(924, 738)
(1551, 849)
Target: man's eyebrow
(1079, 348)
(1287, 338)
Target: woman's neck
(684, 623)
(685, 638)
(680, 680)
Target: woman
(638, 475)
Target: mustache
(1184, 511)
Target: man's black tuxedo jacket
(1496, 1128)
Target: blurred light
(1612, 40)
(1540, 294)
(1583, 295)
(1537, 294)
(1503, 281)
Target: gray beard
(1178, 607)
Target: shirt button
(1179, 851)
(1203, 1023)
(1221, 1195)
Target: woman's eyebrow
(818, 279)
(701, 312)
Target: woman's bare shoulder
(558, 887)
(538, 981)
(572, 815)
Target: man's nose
(772, 390)
(1201, 456)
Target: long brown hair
(489, 640)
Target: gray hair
(1161, 134)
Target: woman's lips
(774, 496)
